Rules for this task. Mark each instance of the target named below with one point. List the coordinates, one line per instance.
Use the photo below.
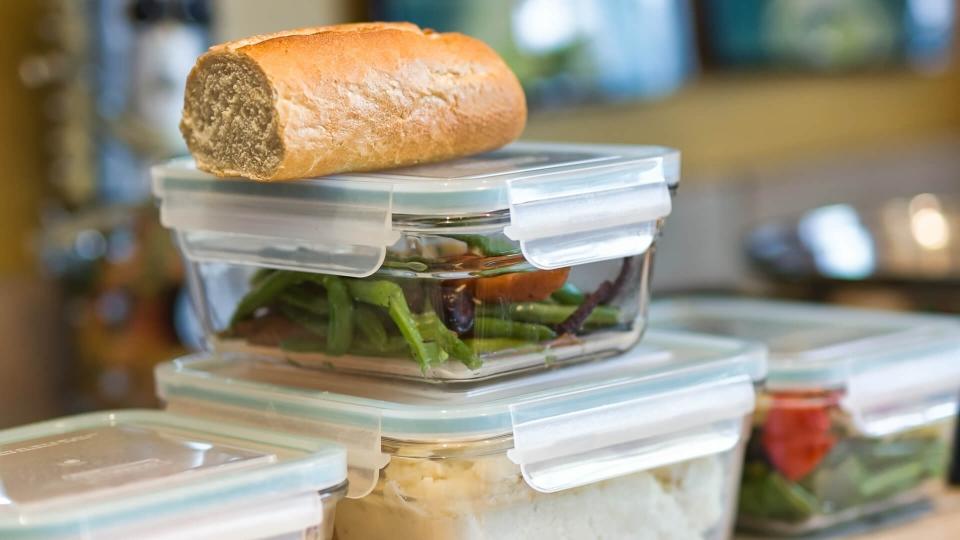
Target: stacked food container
(459, 344)
(468, 331)
(534, 255)
(460, 350)
(454, 350)
(856, 414)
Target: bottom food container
(154, 475)
(645, 445)
(856, 414)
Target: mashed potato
(486, 498)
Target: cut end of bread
(229, 121)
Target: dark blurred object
(571, 51)
(904, 253)
(829, 35)
(121, 281)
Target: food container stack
(404, 307)
(856, 415)
(461, 313)
(469, 332)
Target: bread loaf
(354, 97)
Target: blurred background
(821, 144)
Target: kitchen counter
(942, 523)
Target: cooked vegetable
(260, 274)
(569, 295)
(316, 326)
(389, 295)
(488, 246)
(804, 460)
(432, 328)
(796, 436)
(548, 313)
(521, 286)
(604, 293)
(370, 326)
(489, 327)
(390, 317)
(489, 345)
(458, 308)
(315, 304)
(264, 292)
(341, 314)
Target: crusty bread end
(318, 101)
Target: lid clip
(627, 427)
(899, 396)
(567, 219)
(328, 226)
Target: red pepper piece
(797, 435)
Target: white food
(486, 498)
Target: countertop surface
(942, 522)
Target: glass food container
(855, 418)
(155, 475)
(644, 445)
(526, 257)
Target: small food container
(529, 256)
(154, 475)
(647, 444)
(855, 418)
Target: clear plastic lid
(149, 474)
(673, 398)
(897, 370)
(565, 204)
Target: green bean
(338, 304)
(503, 270)
(394, 346)
(260, 275)
(389, 295)
(891, 480)
(433, 329)
(375, 292)
(413, 266)
(487, 245)
(310, 322)
(490, 345)
(370, 326)
(341, 314)
(318, 305)
(265, 292)
(492, 327)
(302, 345)
(536, 312)
(569, 295)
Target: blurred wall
(31, 344)
(20, 138)
(240, 18)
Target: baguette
(355, 97)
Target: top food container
(644, 445)
(855, 418)
(155, 475)
(529, 256)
